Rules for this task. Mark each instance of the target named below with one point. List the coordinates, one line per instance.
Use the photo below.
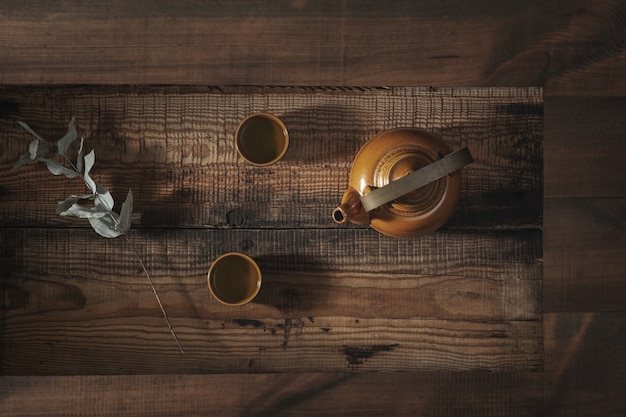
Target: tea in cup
(234, 279)
(262, 139)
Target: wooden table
(573, 50)
(333, 298)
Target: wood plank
(338, 394)
(496, 255)
(448, 301)
(585, 266)
(100, 347)
(574, 48)
(585, 147)
(173, 146)
(584, 376)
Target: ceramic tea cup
(234, 279)
(262, 139)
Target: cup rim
(251, 262)
(271, 117)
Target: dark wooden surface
(334, 298)
(575, 50)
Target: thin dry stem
(156, 294)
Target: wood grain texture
(585, 247)
(466, 297)
(571, 47)
(338, 394)
(68, 311)
(584, 209)
(181, 139)
(586, 375)
(585, 147)
(583, 351)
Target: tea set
(404, 182)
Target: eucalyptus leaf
(42, 149)
(106, 226)
(58, 169)
(126, 213)
(90, 160)
(24, 159)
(102, 218)
(79, 158)
(104, 198)
(32, 132)
(33, 148)
(63, 206)
(64, 143)
(82, 212)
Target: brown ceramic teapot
(403, 182)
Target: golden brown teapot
(403, 182)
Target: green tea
(234, 279)
(261, 140)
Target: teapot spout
(351, 209)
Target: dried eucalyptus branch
(102, 218)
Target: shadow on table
(326, 135)
(293, 283)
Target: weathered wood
(108, 347)
(328, 302)
(467, 297)
(338, 394)
(499, 256)
(574, 48)
(174, 147)
(585, 148)
(585, 185)
(585, 255)
(585, 372)
(585, 364)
